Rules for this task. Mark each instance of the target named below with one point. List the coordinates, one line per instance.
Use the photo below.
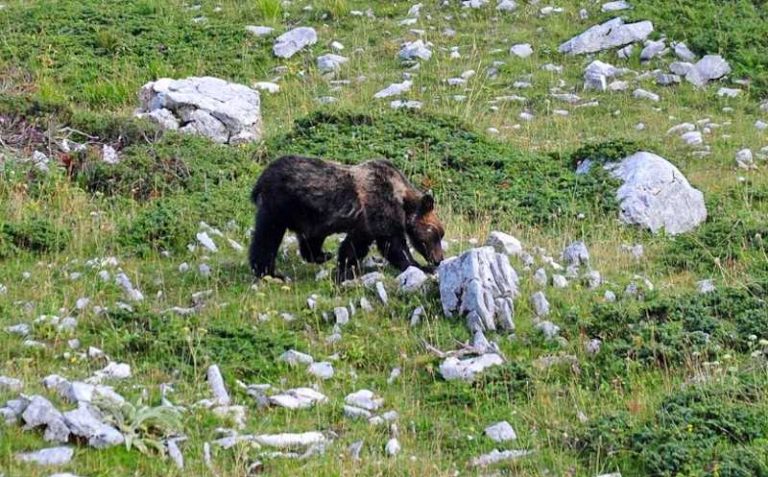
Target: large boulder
(222, 111)
(481, 285)
(611, 34)
(656, 195)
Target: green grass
(678, 387)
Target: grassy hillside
(679, 384)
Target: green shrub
(179, 344)
(721, 241)
(709, 430)
(177, 163)
(37, 235)
(670, 330)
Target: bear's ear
(427, 204)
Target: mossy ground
(79, 65)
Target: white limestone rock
(611, 34)
(481, 285)
(293, 41)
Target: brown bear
(370, 202)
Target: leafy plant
(144, 427)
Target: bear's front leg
(352, 251)
(395, 250)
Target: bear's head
(426, 231)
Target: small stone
(50, 456)
(682, 52)
(412, 279)
(268, 86)
(643, 94)
(364, 399)
(559, 281)
(109, 155)
(593, 279)
(393, 447)
(495, 457)
(745, 159)
(415, 50)
(576, 253)
(663, 79)
(354, 412)
(467, 369)
(365, 305)
(330, 62)
(548, 329)
(216, 382)
(259, 30)
(382, 292)
(395, 89)
(500, 432)
(291, 42)
(705, 286)
(416, 315)
(522, 50)
(540, 304)
(652, 49)
(593, 346)
(504, 243)
(693, 138)
(12, 385)
(540, 277)
(354, 450)
(342, 315)
(322, 370)
(615, 6)
(728, 92)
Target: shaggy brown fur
(370, 202)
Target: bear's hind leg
(311, 249)
(351, 252)
(265, 243)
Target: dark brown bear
(370, 202)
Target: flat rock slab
(50, 456)
(293, 41)
(290, 440)
(481, 285)
(467, 369)
(222, 111)
(298, 398)
(611, 34)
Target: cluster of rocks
(219, 110)
(90, 421)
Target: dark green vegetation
(36, 235)
(476, 176)
(670, 331)
(714, 429)
(733, 237)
